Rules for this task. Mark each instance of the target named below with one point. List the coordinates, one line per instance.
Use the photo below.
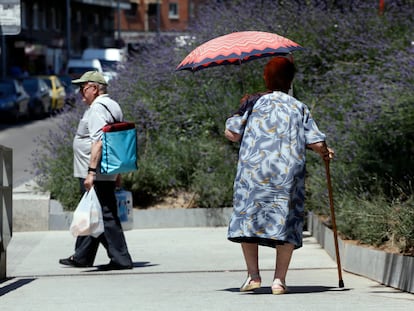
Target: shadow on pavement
(292, 290)
(140, 264)
(14, 285)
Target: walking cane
(331, 205)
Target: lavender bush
(53, 159)
(356, 75)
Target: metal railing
(6, 202)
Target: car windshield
(65, 79)
(30, 85)
(67, 83)
(48, 82)
(80, 70)
(6, 88)
(109, 64)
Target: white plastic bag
(87, 218)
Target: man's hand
(118, 181)
(88, 183)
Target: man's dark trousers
(113, 239)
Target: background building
(54, 31)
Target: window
(35, 16)
(78, 17)
(58, 18)
(52, 17)
(24, 16)
(152, 9)
(76, 21)
(173, 11)
(42, 19)
(133, 11)
(107, 23)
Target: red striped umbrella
(237, 48)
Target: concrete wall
(154, 218)
(30, 208)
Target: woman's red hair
(279, 73)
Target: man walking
(87, 148)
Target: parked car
(40, 104)
(58, 92)
(14, 100)
(77, 67)
(111, 59)
(70, 90)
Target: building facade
(54, 31)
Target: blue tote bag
(119, 148)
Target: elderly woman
(274, 129)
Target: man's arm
(96, 152)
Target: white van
(110, 58)
(76, 67)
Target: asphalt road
(20, 138)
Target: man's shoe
(71, 262)
(113, 266)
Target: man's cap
(91, 76)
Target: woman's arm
(323, 150)
(234, 137)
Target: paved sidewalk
(180, 269)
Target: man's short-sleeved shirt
(90, 130)
(99, 116)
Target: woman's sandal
(279, 287)
(249, 284)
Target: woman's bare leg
(251, 256)
(283, 256)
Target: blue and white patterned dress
(269, 187)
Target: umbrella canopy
(236, 48)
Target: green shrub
(167, 163)
(214, 174)
(53, 160)
(367, 221)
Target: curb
(35, 211)
(392, 270)
(153, 218)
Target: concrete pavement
(180, 269)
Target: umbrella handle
(331, 205)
